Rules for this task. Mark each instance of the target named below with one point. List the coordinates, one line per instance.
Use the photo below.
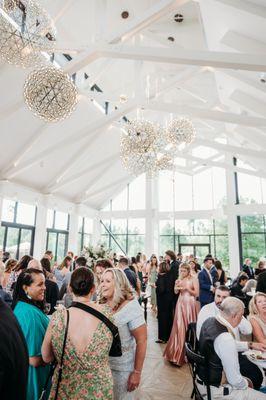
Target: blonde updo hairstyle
(122, 288)
(186, 266)
(253, 309)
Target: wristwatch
(250, 345)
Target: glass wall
(131, 198)
(253, 237)
(124, 235)
(198, 237)
(17, 228)
(205, 190)
(57, 233)
(251, 189)
(85, 232)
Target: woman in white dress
(115, 290)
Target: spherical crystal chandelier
(179, 131)
(141, 143)
(25, 30)
(50, 94)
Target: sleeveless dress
(86, 376)
(260, 322)
(33, 323)
(152, 280)
(186, 311)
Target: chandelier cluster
(26, 30)
(143, 145)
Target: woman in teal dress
(29, 301)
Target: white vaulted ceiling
(211, 72)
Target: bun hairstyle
(82, 281)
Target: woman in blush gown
(186, 311)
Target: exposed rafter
(243, 43)
(137, 25)
(246, 6)
(249, 102)
(214, 115)
(66, 182)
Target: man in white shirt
(218, 345)
(247, 368)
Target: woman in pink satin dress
(186, 311)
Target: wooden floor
(161, 380)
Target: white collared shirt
(225, 348)
(211, 310)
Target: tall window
(57, 233)
(17, 228)
(205, 190)
(198, 237)
(253, 237)
(251, 189)
(85, 232)
(132, 197)
(124, 235)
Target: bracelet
(136, 371)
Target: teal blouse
(33, 323)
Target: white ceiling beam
(207, 162)
(75, 157)
(106, 187)
(139, 23)
(69, 181)
(246, 6)
(252, 136)
(248, 102)
(227, 148)
(25, 148)
(242, 43)
(97, 125)
(214, 59)
(213, 115)
(256, 84)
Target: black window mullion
(5, 238)
(56, 245)
(18, 243)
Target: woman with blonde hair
(115, 290)
(9, 267)
(257, 317)
(62, 270)
(186, 312)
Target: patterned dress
(85, 376)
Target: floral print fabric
(85, 376)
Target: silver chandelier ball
(179, 131)
(50, 94)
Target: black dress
(164, 297)
(52, 294)
(14, 358)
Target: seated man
(218, 346)
(247, 368)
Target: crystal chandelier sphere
(141, 143)
(25, 30)
(50, 94)
(179, 131)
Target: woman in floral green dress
(86, 372)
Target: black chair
(191, 336)
(195, 362)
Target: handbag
(53, 366)
(116, 348)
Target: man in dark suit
(206, 283)
(170, 257)
(261, 282)
(247, 268)
(14, 358)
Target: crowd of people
(59, 324)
